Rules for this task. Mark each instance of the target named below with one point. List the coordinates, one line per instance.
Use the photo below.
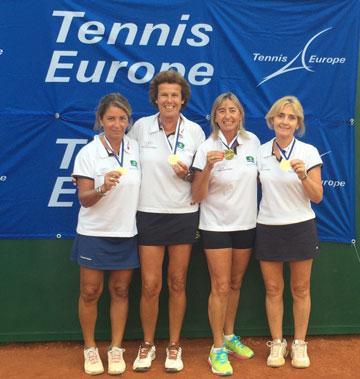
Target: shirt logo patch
(133, 163)
(180, 145)
(250, 159)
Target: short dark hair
(170, 76)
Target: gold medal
(285, 165)
(229, 154)
(122, 170)
(173, 159)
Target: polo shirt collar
(239, 138)
(155, 125)
(104, 152)
(267, 150)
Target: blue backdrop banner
(57, 58)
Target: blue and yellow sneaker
(219, 362)
(236, 348)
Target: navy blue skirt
(287, 243)
(105, 253)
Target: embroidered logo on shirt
(133, 163)
(180, 145)
(250, 158)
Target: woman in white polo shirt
(290, 176)
(107, 171)
(166, 217)
(225, 182)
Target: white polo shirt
(231, 203)
(162, 191)
(283, 197)
(114, 214)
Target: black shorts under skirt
(163, 229)
(240, 239)
(287, 243)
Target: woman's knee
(150, 288)
(300, 290)
(236, 283)
(177, 283)
(90, 293)
(274, 289)
(221, 288)
(119, 291)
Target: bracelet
(99, 191)
(304, 177)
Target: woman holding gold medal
(107, 173)
(225, 182)
(290, 176)
(166, 217)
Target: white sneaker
(278, 352)
(173, 362)
(299, 356)
(92, 363)
(116, 363)
(146, 354)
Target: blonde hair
(279, 105)
(217, 103)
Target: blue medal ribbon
(120, 159)
(232, 145)
(283, 152)
(177, 133)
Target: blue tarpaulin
(57, 58)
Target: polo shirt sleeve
(84, 166)
(200, 157)
(313, 158)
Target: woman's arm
(200, 185)
(311, 180)
(89, 195)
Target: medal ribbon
(177, 133)
(283, 152)
(232, 145)
(120, 159)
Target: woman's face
(114, 121)
(285, 123)
(169, 99)
(228, 116)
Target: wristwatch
(189, 176)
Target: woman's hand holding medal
(214, 157)
(299, 167)
(111, 179)
(180, 169)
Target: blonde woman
(225, 183)
(290, 177)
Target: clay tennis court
(331, 357)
